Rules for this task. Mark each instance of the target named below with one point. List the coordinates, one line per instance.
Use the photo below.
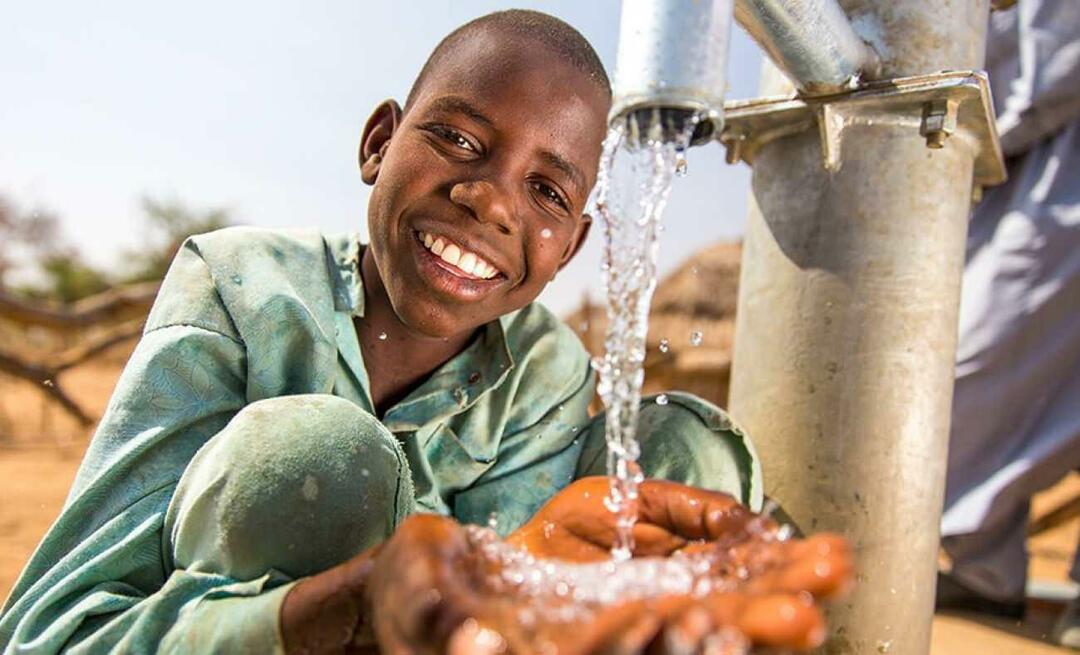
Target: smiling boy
(296, 396)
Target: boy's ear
(380, 127)
(579, 240)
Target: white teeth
(451, 254)
(468, 262)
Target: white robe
(1016, 406)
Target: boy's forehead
(514, 82)
(490, 65)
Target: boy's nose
(487, 203)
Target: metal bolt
(733, 143)
(938, 122)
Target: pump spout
(812, 41)
(672, 66)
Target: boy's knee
(296, 484)
(689, 440)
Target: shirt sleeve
(102, 579)
(534, 462)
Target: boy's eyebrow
(457, 104)
(573, 172)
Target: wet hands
(765, 590)
(435, 587)
(576, 525)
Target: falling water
(630, 203)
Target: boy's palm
(430, 590)
(576, 524)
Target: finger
(782, 621)
(821, 565)
(472, 638)
(654, 541)
(684, 633)
(690, 512)
(632, 627)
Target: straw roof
(699, 296)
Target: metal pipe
(672, 57)
(812, 41)
(846, 330)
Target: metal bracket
(936, 106)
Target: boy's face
(495, 157)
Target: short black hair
(548, 30)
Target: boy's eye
(549, 194)
(453, 137)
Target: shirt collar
(343, 259)
(452, 388)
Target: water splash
(630, 206)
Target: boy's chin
(439, 325)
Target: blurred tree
(169, 222)
(25, 236)
(68, 278)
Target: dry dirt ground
(40, 451)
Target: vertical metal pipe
(672, 56)
(846, 330)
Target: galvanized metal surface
(750, 124)
(811, 40)
(673, 54)
(846, 327)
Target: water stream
(641, 159)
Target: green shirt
(244, 315)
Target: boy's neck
(397, 358)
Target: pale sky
(258, 106)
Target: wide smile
(461, 262)
(453, 270)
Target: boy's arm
(102, 579)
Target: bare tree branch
(81, 353)
(38, 374)
(120, 303)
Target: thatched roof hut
(699, 296)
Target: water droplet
(884, 645)
(680, 163)
(365, 472)
(662, 399)
(545, 233)
(549, 529)
(237, 279)
(664, 346)
(382, 336)
(461, 396)
(695, 338)
(49, 383)
(493, 521)
(583, 326)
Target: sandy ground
(37, 473)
